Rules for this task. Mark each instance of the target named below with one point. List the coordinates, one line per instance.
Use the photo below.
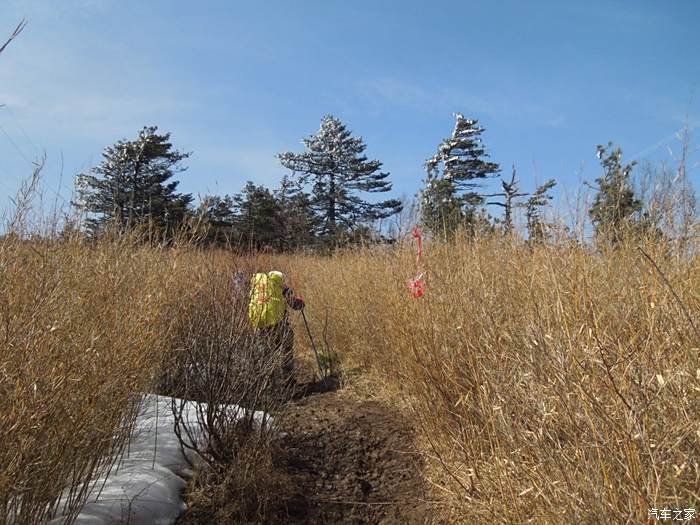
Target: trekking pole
(313, 345)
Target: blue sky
(238, 82)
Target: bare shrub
(224, 367)
(248, 490)
(227, 386)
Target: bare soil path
(349, 459)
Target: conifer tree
(340, 175)
(132, 185)
(441, 207)
(218, 216)
(257, 218)
(511, 191)
(454, 174)
(536, 228)
(615, 202)
(298, 224)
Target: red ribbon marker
(418, 236)
(417, 284)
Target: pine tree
(257, 218)
(218, 215)
(454, 174)
(536, 228)
(441, 208)
(132, 186)
(298, 223)
(339, 173)
(511, 191)
(615, 203)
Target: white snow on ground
(146, 483)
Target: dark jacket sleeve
(295, 303)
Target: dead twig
(681, 304)
(15, 34)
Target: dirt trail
(350, 460)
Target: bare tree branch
(15, 34)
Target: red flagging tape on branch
(418, 236)
(417, 284)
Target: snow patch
(146, 483)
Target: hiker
(268, 313)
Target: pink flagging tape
(417, 284)
(418, 236)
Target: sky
(235, 83)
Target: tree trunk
(331, 204)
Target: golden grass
(553, 385)
(82, 327)
(85, 330)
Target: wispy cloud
(395, 92)
(556, 122)
(85, 114)
(38, 9)
(259, 165)
(389, 92)
(62, 76)
(666, 141)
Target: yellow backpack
(267, 304)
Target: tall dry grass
(553, 385)
(82, 329)
(86, 328)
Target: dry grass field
(549, 384)
(552, 385)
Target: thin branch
(681, 304)
(15, 34)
